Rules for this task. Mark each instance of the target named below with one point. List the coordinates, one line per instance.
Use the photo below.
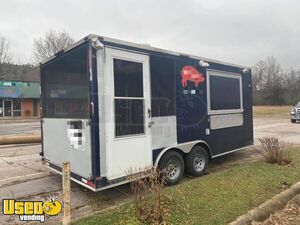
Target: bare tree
(268, 82)
(5, 56)
(51, 43)
(292, 84)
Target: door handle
(149, 113)
(151, 123)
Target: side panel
(163, 92)
(191, 107)
(70, 119)
(193, 121)
(227, 139)
(61, 143)
(226, 121)
(163, 132)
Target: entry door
(127, 113)
(7, 108)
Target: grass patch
(272, 111)
(217, 198)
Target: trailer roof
(142, 46)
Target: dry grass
(151, 202)
(274, 151)
(290, 215)
(272, 111)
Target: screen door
(127, 82)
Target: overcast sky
(237, 31)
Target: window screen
(162, 86)
(65, 86)
(129, 116)
(129, 101)
(224, 92)
(128, 78)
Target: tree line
(271, 84)
(274, 86)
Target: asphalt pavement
(20, 127)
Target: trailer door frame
(127, 113)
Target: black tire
(293, 121)
(196, 161)
(173, 161)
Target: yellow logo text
(31, 210)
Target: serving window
(224, 92)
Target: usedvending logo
(31, 210)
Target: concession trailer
(110, 106)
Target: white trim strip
(73, 179)
(95, 189)
(141, 98)
(225, 153)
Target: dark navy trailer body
(110, 107)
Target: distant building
(19, 98)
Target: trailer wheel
(196, 161)
(171, 165)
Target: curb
(13, 139)
(263, 211)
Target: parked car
(295, 113)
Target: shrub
(151, 202)
(274, 151)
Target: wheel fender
(184, 147)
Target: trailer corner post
(66, 188)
